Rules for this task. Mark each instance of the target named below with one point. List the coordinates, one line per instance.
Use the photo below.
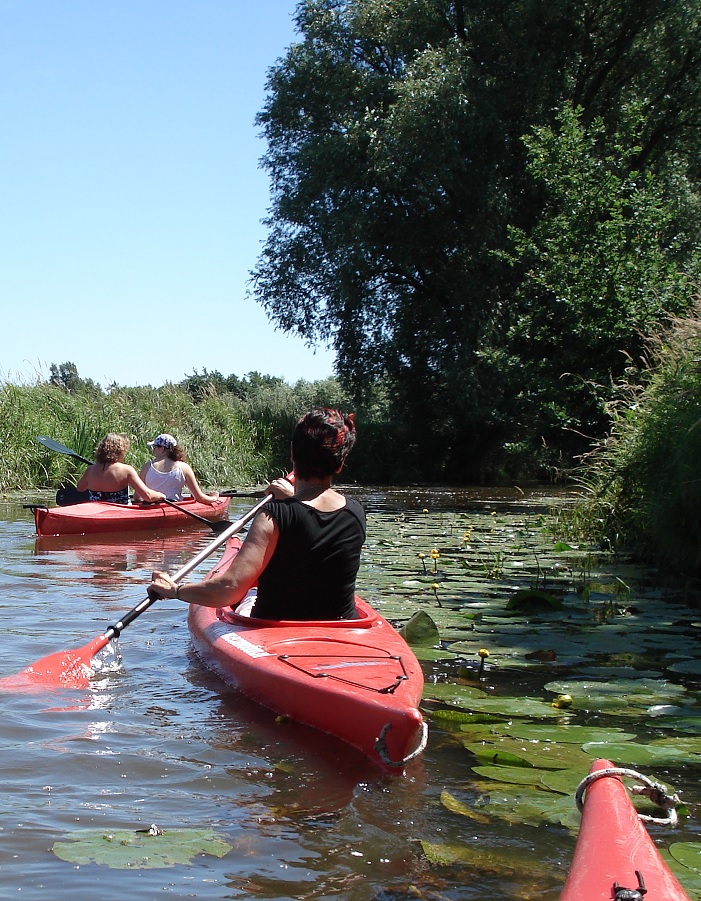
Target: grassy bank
(224, 447)
(644, 483)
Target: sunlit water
(156, 739)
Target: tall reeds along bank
(225, 448)
(645, 481)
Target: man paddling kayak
(302, 552)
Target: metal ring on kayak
(655, 791)
(381, 746)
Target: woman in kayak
(109, 478)
(169, 473)
(302, 551)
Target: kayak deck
(355, 679)
(614, 850)
(98, 517)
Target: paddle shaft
(114, 630)
(216, 525)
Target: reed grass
(225, 448)
(643, 484)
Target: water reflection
(412, 498)
(120, 551)
(124, 557)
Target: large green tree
(409, 216)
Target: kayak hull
(613, 845)
(97, 517)
(355, 679)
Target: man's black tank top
(312, 573)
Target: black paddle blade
(220, 525)
(59, 448)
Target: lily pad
(461, 719)
(565, 782)
(485, 859)
(623, 697)
(420, 631)
(518, 775)
(688, 854)
(139, 850)
(450, 802)
(546, 755)
(531, 805)
(531, 601)
(633, 754)
(521, 707)
(566, 733)
(688, 667)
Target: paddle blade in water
(64, 669)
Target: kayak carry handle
(655, 791)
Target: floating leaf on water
(689, 745)
(637, 755)
(450, 693)
(691, 723)
(566, 782)
(531, 600)
(688, 854)
(489, 754)
(125, 849)
(461, 719)
(543, 656)
(688, 667)
(486, 859)
(428, 654)
(531, 805)
(450, 802)
(519, 707)
(614, 695)
(546, 755)
(563, 732)
(518, 775)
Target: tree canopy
(485, 208)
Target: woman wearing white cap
(169, 473)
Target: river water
(256, 808)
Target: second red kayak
(615, 857)
(98, 517)
(355, 679)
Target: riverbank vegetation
(643, 483)
(234, 432)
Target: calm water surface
(161, 741)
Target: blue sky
(131, 195)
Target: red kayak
(98, 517)
(615, 859)
(355, 679)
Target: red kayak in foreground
(98, 517)
(355, 679)
(615, 859)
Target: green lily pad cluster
(540, 656)
(152, 848)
